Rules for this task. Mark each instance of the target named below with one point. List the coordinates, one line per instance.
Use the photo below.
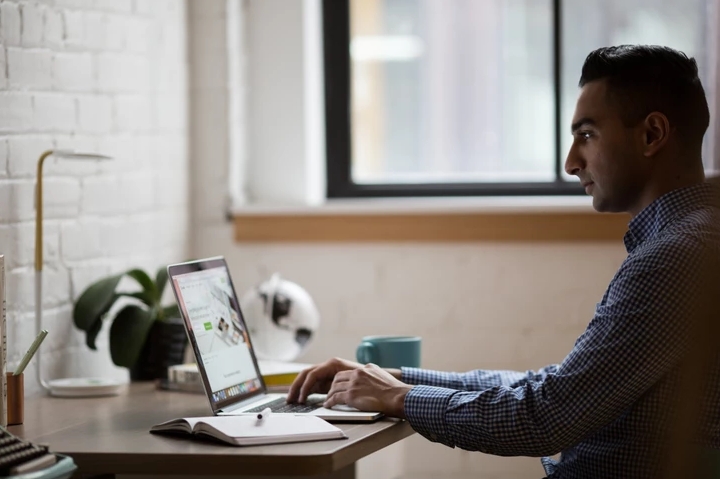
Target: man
(610, 406)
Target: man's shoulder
(686, 243)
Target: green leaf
(161, 280)
(92, 334)
(128, 333)
(169, 312)
(94, 302)
(142, 296)
(145, 281)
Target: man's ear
(656, 133)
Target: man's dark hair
(646, 78)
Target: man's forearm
(397, 373)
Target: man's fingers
(310, 384)
(296, 385)
(317, 379)
(338, 386)
(343, 376)
(337, 398)
(307, 384)
(341, 381)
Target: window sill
(499, 219)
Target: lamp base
(84, 387)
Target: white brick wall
(89, 75)
(33, 23)
(29, 69)
(10, 13)
(73, 72)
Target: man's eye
(585, 135)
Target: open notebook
(247, 430)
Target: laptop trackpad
(344, 408)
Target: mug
(390, 351)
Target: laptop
(223, 347)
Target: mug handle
(365, 353)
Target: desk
(110, 436)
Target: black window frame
(336, 42)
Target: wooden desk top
(110, 435)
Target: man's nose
(573, 162)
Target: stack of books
(277, 375)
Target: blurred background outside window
(464, 91)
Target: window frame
(336, 55)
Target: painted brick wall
(108, 76)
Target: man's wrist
(399, 402)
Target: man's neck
(661, 188)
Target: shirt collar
(660, 212)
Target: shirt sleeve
(476, 380)
(636, 337)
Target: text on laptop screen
(207, 300)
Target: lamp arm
(38, 327)
(39, 211)
(39, 258)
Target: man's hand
(369, 388)
(318, 379)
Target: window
(468, 97)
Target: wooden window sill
(539, 220)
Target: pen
(30, 352)
(264, 413)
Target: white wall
(92, 75)
(479, 305)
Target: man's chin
(602, 206)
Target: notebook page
(275, 425)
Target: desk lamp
(69, 387)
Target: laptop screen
(218, 332)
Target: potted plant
(145, 336)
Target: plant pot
(164, 347)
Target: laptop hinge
(243, 403)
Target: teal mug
(390, 351)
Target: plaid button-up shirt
(605, 407)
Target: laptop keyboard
(280, 405)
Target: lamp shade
(74, 155)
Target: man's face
(605, 154)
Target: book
(184, 373)
(248, 430)
(280, 373)
(167, 385)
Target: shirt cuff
(425, 408)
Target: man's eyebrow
(580, 123)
